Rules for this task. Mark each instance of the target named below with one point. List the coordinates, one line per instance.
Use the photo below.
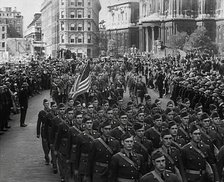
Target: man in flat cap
(126, 165)
(103, 148)
(159, 174)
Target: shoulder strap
(105, 145)
(156, 130)
(168, 156)
(198, 151)
(126, 159)
(185, 133)
(77, 129)
(157, 176)
(91, 137)
(142, 146)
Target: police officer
(197, 158)
(126, 165)
(159, 174)
(102, 150)
(84, 142)
(42, 130)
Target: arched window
(89, 13)
(72, 2)
(80, 28)
(62, 26)
(89, 38)
(80, 38)
(89, 2)
(72, 27)
(72, 39)
(89, 26)
(62, 38)
(72, 14)
(80, 3)
(80, 13)
(62, 2)
(62, 14)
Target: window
(3, 36)
(62, 2)
(62, 38)
(89, 2)
(80, 3)
(72, 2)
(72, 14)
(72, 26)
(3, 28)
(62, 26)
(80, 12)
(89, 26)
(3, 44)
(89, 14)
(80, 27)
(62, 14)
(72, 39)
(80, 38)
(89, 39)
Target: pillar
(146, 39)
(141, 39)
(181, 8)
(178, 7)
(153, 38)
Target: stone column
(141, 39)
(147, 39)
(178, 7)
(153, 38)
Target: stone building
(79, 26)
(33, 34)
(122, 26)
(14, 21)
(50, 26)
(159, 19)
(3, 35)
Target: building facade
(159, 19)
(220, 25)
(33, 34)
(14, 21)
(49, 26)
(3, 35)
(122, 26)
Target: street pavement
(21, 155)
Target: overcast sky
(29, 7)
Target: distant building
(33, 34)
(14, 21)
(122, 25)
(3, 35)
(78, 26)
(49, 26)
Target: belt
(84, 155)
(125, 180)
(195, 172)
(101, 164)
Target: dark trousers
(53, 157)
(23, 116)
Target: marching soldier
(184, 127)
(50, 116)
(140, 90)
(153, 133)
(142, 145)
(102, 150)
(198, 160)
(159, 174)
(126, 165)
(110, 116)
(172, 154)
(42, 130)
(61, 142)
(74, 131)
(84, 142)
(177, 141)
(118, 131)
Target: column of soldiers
(132, 143)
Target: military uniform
(145, 148)
(194, 163)
(183, 133)
(126, 168)
(178, 142)
(100, 156)
(154, 135)
(61, 145)
(42, 129)
(220, 162)
(117, 132)
(84, 143)
(168, 176)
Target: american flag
(82, 82)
